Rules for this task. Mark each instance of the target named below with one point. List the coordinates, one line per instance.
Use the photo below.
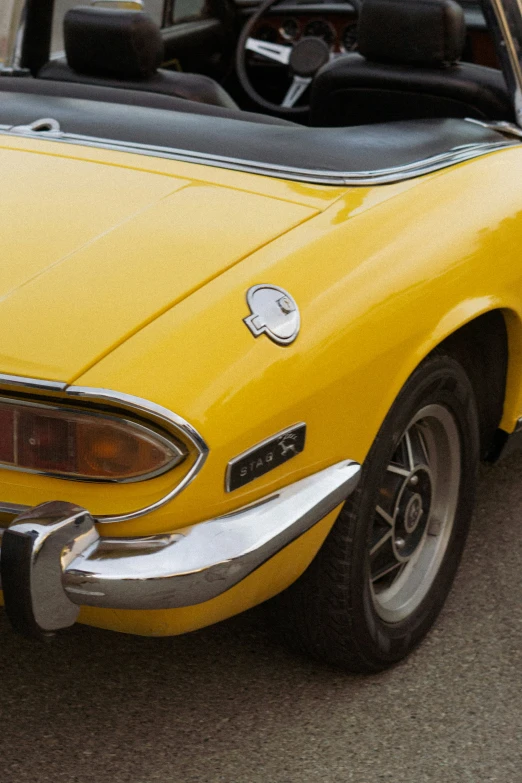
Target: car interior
(325, 67)
(382, 61)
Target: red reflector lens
(82, 445)
(7, 435)
(44, 443)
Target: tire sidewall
(441, 380)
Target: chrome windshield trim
(190, 566)
(127, 402)
(504, 17)
(311, 176)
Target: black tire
(341, 610)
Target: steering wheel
(302, 60)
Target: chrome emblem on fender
(265, 456)
(274, 313)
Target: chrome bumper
(53, 559)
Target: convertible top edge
(384, 176)
(375, 154)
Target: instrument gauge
(321, 29)
(289, 29)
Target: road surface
(230, 705)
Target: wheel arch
(488, 344)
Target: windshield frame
(504, 19)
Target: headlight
(81, 445)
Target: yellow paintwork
(142, 291)
(109, 251)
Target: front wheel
(383, 574)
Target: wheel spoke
(277, 52)
(396, 469)
(296, 89)
(375, 548)
(384, 514)
(418, 445)
(409, 450)
(423, 445)
(386, 570)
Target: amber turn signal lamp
(80, 445)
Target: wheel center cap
(413, 513)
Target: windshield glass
(153, 7)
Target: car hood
(90, 252)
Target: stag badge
(265, 456)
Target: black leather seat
(407, 67)
(122, 48)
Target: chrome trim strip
(32, 384)
(127, 402)
(311, 176)
(139, 405)
(190, 566)
(12, 509)
(506, 128)
(138, 3)
(169, 419)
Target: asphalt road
(229, 705)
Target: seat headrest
(418, 32)
(112, 42)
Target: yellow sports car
(261, 313)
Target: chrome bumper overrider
(53, 559)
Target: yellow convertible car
(261, 310)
